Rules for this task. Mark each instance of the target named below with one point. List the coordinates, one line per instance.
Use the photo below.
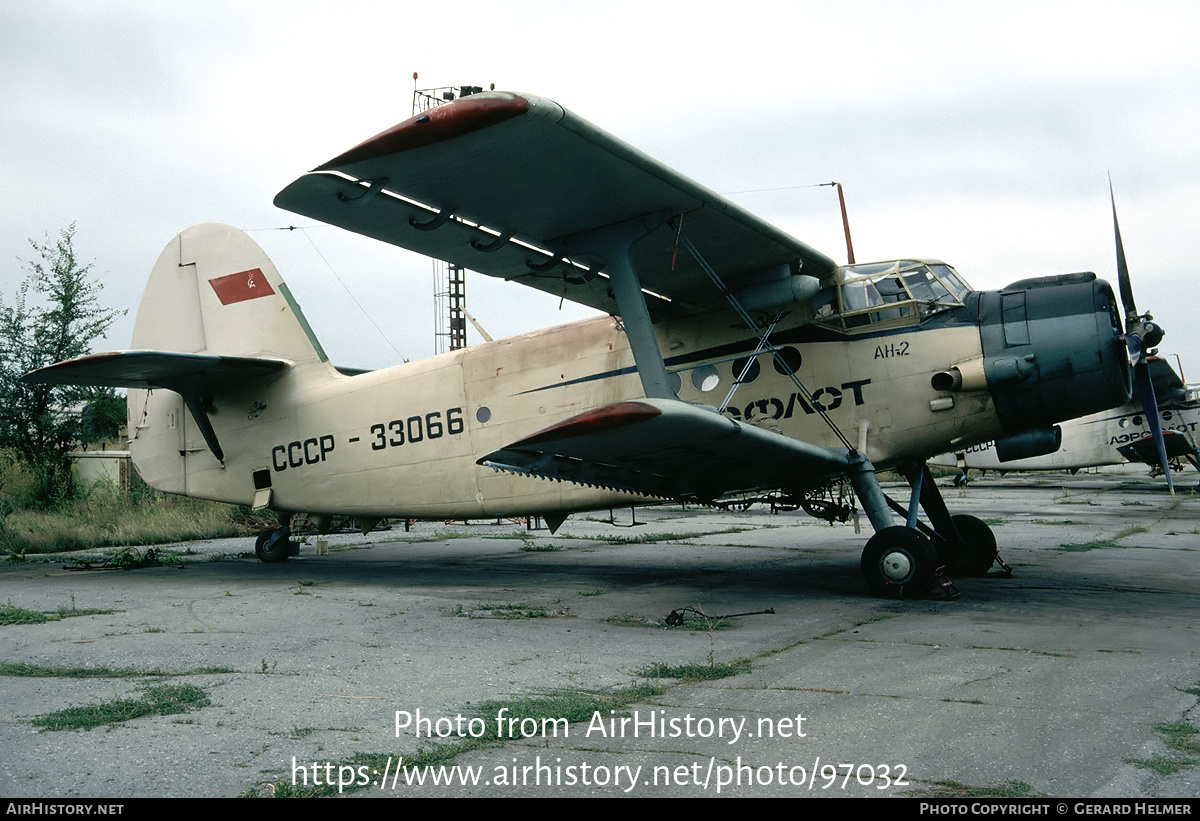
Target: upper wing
(667, 448)
(505, 184)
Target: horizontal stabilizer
(669, 449)
(154, 369)
(188, 374)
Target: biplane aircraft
(1113, 437)
(731, 358)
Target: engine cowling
(1053, 350)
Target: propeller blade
(1141, 335)
(1131, 311)
(1145, 388)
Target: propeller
(1141, 336)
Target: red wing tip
(594, 421)
(437, 124)
(88, 357)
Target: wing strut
(189, 389)
(613, 244)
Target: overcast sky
(976, 133)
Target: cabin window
(746, 370)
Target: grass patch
(1100, 544)
(957, 789)
(63, 612)
(696, 672)
(652, 538)
(547, 709)
(11, 614)
(22, 670)
(167, 699)
(1083, 547)
(1181, 736)
(1161, 764)
(509, 611)
(1129, 531)
(533, 547)
(106, 518)
(703, 624)
(875, 619)
(630, 620)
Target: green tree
(54, 315)
(103, 416)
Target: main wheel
(899, 562)
(273, 545)
(978, 551)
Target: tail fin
(214, 291)
(215, 313)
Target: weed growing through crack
(167, 699)
(11, 614)
(508, 611)
(1182, 738)
(957, 789)
(687, 673)
(23, 670)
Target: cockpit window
(898, 292)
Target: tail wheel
(273, 545)
(977, 552)
(899, 562)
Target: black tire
(273, 545)
(899, 562)
(978, 551)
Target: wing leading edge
(511, 185)
(669, 449)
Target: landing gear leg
(964, 544)
(275, 545)
(898, 561)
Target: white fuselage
(1090, 441)
(404, 441)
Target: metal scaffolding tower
(449, 280)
